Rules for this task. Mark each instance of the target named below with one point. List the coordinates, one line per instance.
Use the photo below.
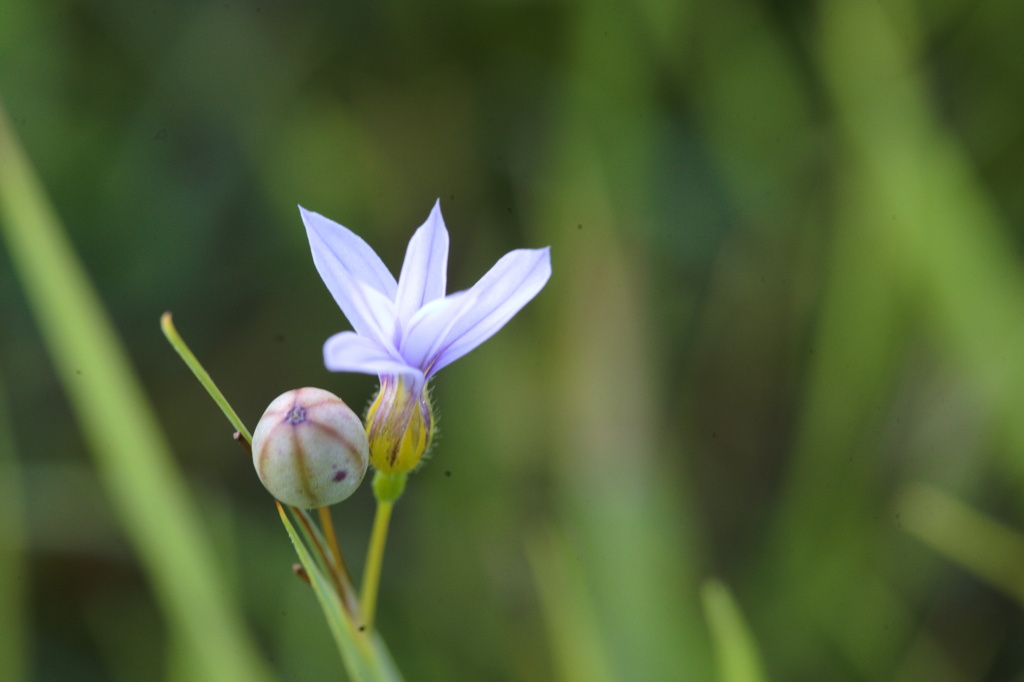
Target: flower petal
(428, 327)
(371, 315)
(425, 268)
(336, 247)
(355, 276)
(350, 352)
(485, 308)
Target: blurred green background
(782, 338)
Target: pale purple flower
(407, 330)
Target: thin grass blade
(364, 655)
(179, 345)
(131, 454)
(965, 536)
(735, 649)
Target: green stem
(335, 567)
(338, 568)
(374, 559)
(327, 524)
(387, 488)
(167, 325)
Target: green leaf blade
(735, 648)
(131, 454)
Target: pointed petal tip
(544, 257)
(308, 217)
(436, 209)
(481, 311)
(425, 269)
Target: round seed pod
(310, 448)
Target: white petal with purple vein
(350, 352)
(335, 246)
(428, 328)
(370, 313)
(424, 270)
(513, 281)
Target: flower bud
(400, 426)
(310, 448)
